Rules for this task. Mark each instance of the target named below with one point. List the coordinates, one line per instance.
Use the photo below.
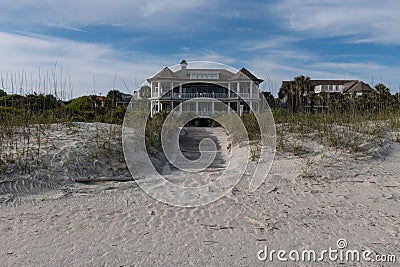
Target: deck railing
(207, 95)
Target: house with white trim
(341, 86)
(170, 89)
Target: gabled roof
(224, 75)
(358, 86)
(349, 85)
(165, 73)
(251, 76)
(239, 76)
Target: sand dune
(66, 153)
(306, 202)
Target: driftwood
(95, 180)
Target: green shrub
(251, 124)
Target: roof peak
(165, 73)
(250, 75)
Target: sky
(92, 46)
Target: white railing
(208, 95)
(197, 95)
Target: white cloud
(150, 14)
(89, 65)
(279, 57)
(83, 61)
(366, 21)
(274, 66)
(273, 42)
(369, 72)
(68, 27)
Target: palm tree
(270, 99)
(384, 95)
(302, 85)
(324, 99)
(295, 92)
(285, 94)
(114, 96)
(382, 89)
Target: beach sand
(306, 202)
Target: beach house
(312, 94)
(341, 86)
(238, 90)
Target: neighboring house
(338, 86)
(330, 87)
(170, 88)
(123, 100)
(102, 100)
(341, 86)
(358, 88)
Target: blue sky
(118, 44)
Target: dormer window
(204, 76)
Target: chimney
(183, 67)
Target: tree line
(40, 108)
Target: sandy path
(189, 145)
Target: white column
(197, 107)
(159, 89)
(180, 98)
(238, 88)
(229, 97)
(212, 107)
(159, 105)
(251, 106)
(151, 108)
(251, 89)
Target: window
(204, 76)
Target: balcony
(196, 95)
(221, 96)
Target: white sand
(306, 202)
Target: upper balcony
(222, 96)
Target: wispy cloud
(366, 21)
(150, 14)
(273, 42)
(276, 40)
(274, 66)
(84, 61)
(67, 27)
